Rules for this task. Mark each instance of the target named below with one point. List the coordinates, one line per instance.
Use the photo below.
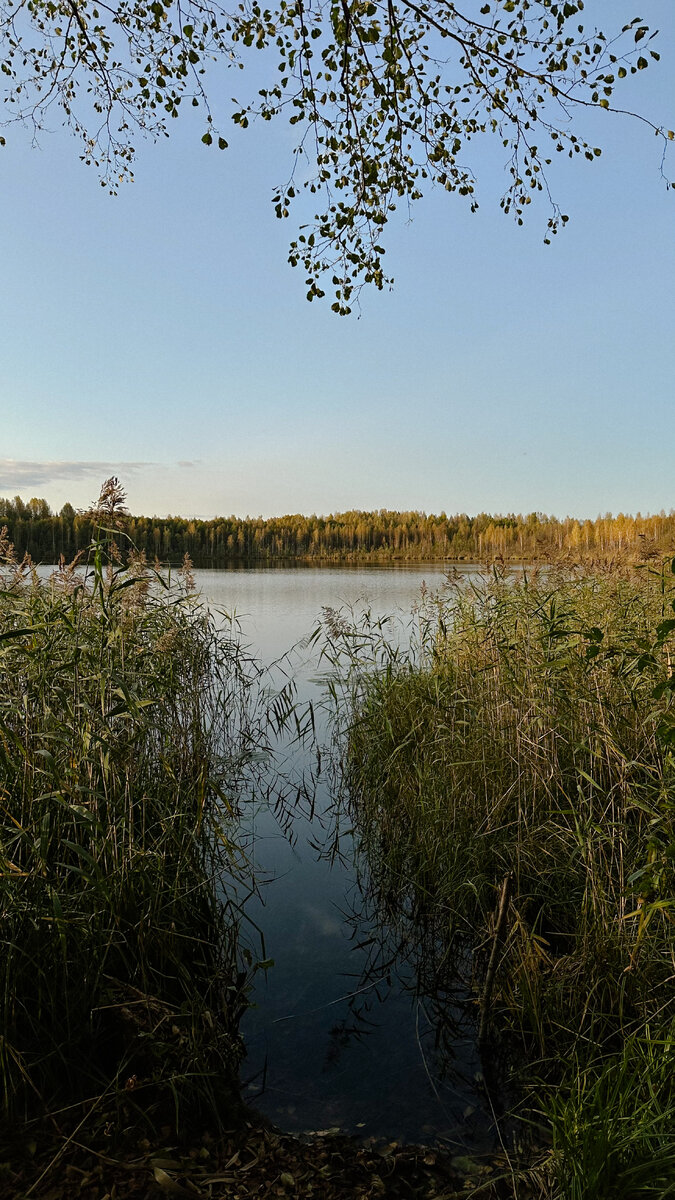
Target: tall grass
(612, 1123)
(525, 756)
(124, 735)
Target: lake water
(343, 1033)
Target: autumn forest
(380, 536)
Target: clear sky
(160, 334)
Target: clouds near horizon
(23, 474)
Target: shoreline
(251, 1161)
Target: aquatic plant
(512, 781)
(127, 721)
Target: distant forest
(351, 536)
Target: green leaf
(207, 139)
(15, 633)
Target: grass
(125, 731)
(612, 1126)
(513, 787)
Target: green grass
(613, 1125)
(528, 745)
(124, 734)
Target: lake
(342, 1033)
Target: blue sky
(161, 335)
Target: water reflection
(361, 1023)
(407, 952)
(367, 1021)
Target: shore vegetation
(127, 722)
(512, 785)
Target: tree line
(380, 536)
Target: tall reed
(124, 735)
(525, 754)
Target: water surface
(341, 1034)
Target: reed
(513, 783)
(125, 730)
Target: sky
(160, 334)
